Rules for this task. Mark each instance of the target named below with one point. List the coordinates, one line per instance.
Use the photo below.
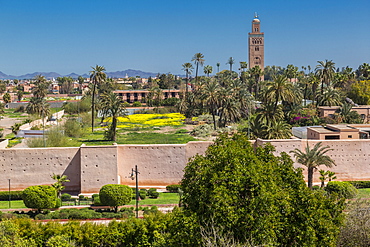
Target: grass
(364, 193)
(14, 204)
(164, 198)
(11, 114)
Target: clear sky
(67, 36)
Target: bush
(360, 184)
(142, 194)
(343, 189)
(72, 128)
(40, 197)
(173, 188)
(66, 197)
(115, 195)
(14, 195)
(137, 104)
(77, 107)
(202, 130)
(152, 192)
(170, 101)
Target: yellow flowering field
(146, 120)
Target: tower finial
(255, 15)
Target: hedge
(343, 189)
(360, 184)
(173, 188)
(14, 195)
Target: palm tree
(58, 185)
(256, 74)
(230, 62)
(291, 72)
(365, 70)
(198, 59)
(113, 107)
(188, 68)
(210, 96)
(7, 98)
(312, 158)
(280, 90)
(208, 70)
(325, 71)
(218, 67)
(97, 76)
(330, 97)
(41, 87)
(278, 130)
(243, 66)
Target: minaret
(256, 45)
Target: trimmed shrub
(360, 184)
(152, 192)
(14, 195)
(66, 197)
(142, 194)
(137, 104)
(343, 189)
(173, 188)
(115, 195)
(40, 197)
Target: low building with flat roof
(339, 132)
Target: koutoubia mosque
(256, 45)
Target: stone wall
(89, 168)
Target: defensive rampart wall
(89, 168)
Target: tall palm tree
(41, 87)
(198, 59)
(312, 158)
(325, 70)
(210, 96)
(188, 68)
(291, 72)
(208, 70)
(113, 107)
(256, 74)
(230, 62)
(97, 76)
(278, 130)
(280, 90)
(218, 67)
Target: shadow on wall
(73, 171)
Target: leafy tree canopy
(115, 195)
(257, 196)
(40, 197)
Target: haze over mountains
(50, 75)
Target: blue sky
(67, 36)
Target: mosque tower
(256, 45)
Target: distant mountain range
(50, 75)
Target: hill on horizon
(50, 75)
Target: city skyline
(70, 36)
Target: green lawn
(14, 204)
(364, 193)
(164, 198)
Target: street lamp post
(135, 176)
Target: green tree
(313, 158)
(40, 197)
(210, 96)
(188, 68)
(41, 87)
(325, 71)
(360, 92)
(218, 67)
(97, 76)
(20, 95)
(7, 98)
(365, 70)
(198, 59)
(59, 181)
(112, 107)
(115, 195)
(230, 62)
(208, 70)
(252, 195)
